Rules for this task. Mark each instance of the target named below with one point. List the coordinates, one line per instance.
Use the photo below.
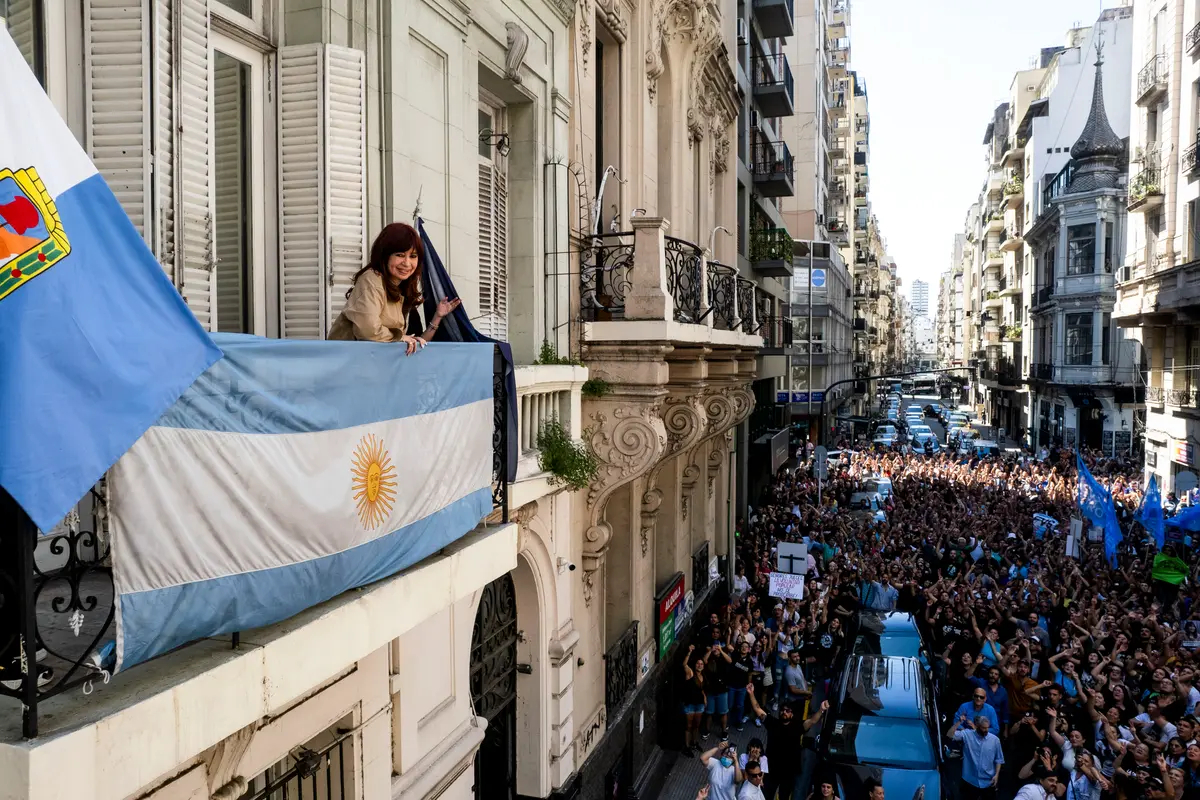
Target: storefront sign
(782, 397)
(1181, 452)
(799, 397)
(669, 602)
(817, 397)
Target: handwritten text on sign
(787, 586)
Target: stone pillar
(1098, 269)
(1097, 338)
(648, 297)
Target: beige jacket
(368, 315)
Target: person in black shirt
(785, 745)
(716, 688)
(739, 678)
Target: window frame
(1081, 250)
(1074, 353)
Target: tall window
(1106, 331)
(1081, 249)
(1079, 339)
(493, 223)
(24, 21)
(1109, 256)
(231, 190)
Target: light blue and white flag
(290, 472)
(95, 343)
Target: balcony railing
(1183, 398)
(771, 251)
(57, 597)
(774, 88)
(1192, 39)
(1155, 395)
(722, 296)
(1058, 185)
(775, 17)
(1146, 188)
(683, 279)
(1188, 159)
(1041, 372)
(1152, 79)
(700, 570)
(620, 670)
(773, 168)
(746, 291)
(777, 332)
(607, 276)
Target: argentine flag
(95, 342)
(290, 472)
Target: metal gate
(306, 774)
(494, 689)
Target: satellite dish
(1185, 482)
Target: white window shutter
(228, 200)
(322, 199)
(194, 168)
(487, 229)
(22, 27)
(500, 258)
(162, 94)
(117, 90)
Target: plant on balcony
(994, 254)
(548, 355)
(1142, 187)
(1014, 186)
(570, 463)
(595, 388)
(1012, 332)
(992, 296)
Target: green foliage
(569, 462)
(549, 355)
(596, 388)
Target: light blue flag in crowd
(1150, 512)
(1187, 519)
(1096, 505)
(97, 343)
(290, 472)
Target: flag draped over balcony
(437, 286)
(290, 472)
(1096, 504)
(96, 342)
(1150, 512)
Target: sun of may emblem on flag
(374, 479)
(32, 238)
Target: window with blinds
(23, 20)
(493, 227)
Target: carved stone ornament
(691, 474)
(719, 406)
(679, 18)
(651, 501)
(514, 56)
(610, 15)
(743, 403)
(628, 439)
(585, 31)
(685, 420)
(717, 456)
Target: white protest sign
(792, 557)
(1074, 543)
(786, 586)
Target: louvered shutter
(500, 257)
(116, 88)
(228, 194)
(196, 255)
(486, 246)
(18, 18)
(323, 202)
(162, 96)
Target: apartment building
(258, 145)
(1080, 367)
(919, 297)
(1156, 296)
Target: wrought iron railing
(1192, 38)
(1041, 372)
(770, 244)
(1182, 398)
(309, 774)
(772, 160)
(1156, 395)
(1058, 184)
(722, 295)
(57, 600)
(620, 670)
(745, 301)
(773, 70)
(606, 276)
(1044, 294)
(700, 573)
(684, 278)
(1188, 159)
(763, 306)
(777, 332)
(1153, 74)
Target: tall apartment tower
(920, 298)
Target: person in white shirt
(752, 788)
(754, 752)
(1044, 785)
(724, 772)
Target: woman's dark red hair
(397, 237)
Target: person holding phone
(724, 771)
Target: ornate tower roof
(1098, 148)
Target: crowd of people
(1057, 674)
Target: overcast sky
(935, 71)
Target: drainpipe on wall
(1173, 173)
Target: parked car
(887, 432)
(883, 726)
(915, 410)
(934, 410)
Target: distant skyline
(931, 103)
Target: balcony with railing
(646, 276)
(1191, 42)
(771, 252)
(1041, 372)
(775, 18)
(1013, 238)
(621, 670)
(1145, 191)
(773, 169)
(1089, 282)
(778, 335)
(1152, 81)
(59, 603)
(999, 372)
(1188, 159)
(1182, 398)
(774, 89)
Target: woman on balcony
(387, 291)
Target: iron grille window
(1079, 339)
(1081, 249)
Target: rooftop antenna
(417, 208)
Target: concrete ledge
(156, 717)
(666, 331)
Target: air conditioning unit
(753, 118)
(743, 32)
